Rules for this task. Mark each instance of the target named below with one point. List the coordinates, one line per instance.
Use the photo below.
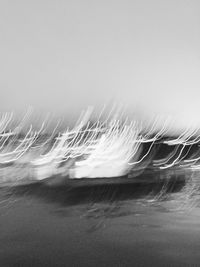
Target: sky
(63, 55)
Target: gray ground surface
(104, 226)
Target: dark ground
(119, 224)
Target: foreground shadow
(69, 194)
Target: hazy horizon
(61, 56)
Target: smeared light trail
(107, 148)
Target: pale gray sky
(63, 55)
